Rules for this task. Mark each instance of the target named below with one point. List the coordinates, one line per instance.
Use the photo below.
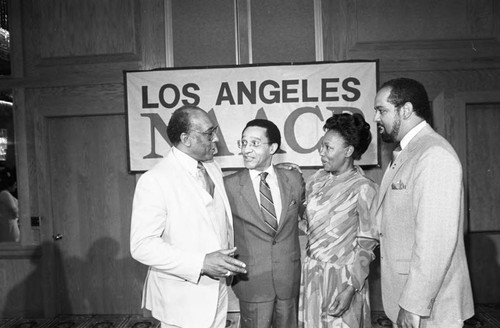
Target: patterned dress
(342, 234)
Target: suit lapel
(403, 157)
(248, 197)
(196, 189)
(214, 174)
(390, 173)
(285, 188)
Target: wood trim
(148, 53)
(327, 30)
(431, 55)
(340, 42)
(243, 32)
(84, 100)
(36, 61)
(318, 30)
(337, 33)
(442, 45)
(25, 169)
(25, 165)
(438, 114)
(87, 60)
(59, 77)
(13, 251)
(16, 43)
(43, 191)
(150, 35)
(169, 35)
(426, 55)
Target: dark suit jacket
(273, 261)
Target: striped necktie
(205, 179)
(266, 203)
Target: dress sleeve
(367, 236)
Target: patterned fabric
(266, 203)
(342, 234)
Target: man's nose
(215, 138)
(376, 118)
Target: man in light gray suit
(266, 202)
(425, 279)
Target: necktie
(266, 203)
(395, 153)
(205, 180)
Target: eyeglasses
(252, 143)
(210, 133)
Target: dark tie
(205, 180)
(266, 203)
(395, 153)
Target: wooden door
(483, 166)
(483, 172)
(91, 195)
(471, 125)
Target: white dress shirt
(411, 134)
(272, 181)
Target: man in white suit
(425, 279)
(182, 228)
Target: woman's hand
(342, 302)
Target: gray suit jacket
(273, 262)
(420, 212)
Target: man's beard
(391, 137)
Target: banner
(298, 98)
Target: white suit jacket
(171, 232)
(420, 212)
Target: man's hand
(407, 319)
(289, 166)
(342, 302)
(221, 264)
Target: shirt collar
(256, 174)
(411, 134)
(185, 160)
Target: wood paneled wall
(68, 61)
(68, 67)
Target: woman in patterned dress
(341, 230)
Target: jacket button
(274, 242)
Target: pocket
(167, 276)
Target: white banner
(298, 98)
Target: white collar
(255, 173)
(411, 134)
(185, 160)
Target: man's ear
(185, 139)
(406, 110)
(273, 148)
